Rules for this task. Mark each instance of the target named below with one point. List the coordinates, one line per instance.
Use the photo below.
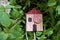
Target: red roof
(34, 11)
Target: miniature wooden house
(34, 20)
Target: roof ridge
(34, 11)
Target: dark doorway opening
(34, 27)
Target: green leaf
(18, 6)
(17, 32)
(2, 8)
(28, 3)
(15, 14)
(31, 36)
(57, 24)
(3, 36)
(13, 22)
(58, 9)
(38, 33)
(12, 2)
(48, 32)
(42, 37)
(4, 19)
(9, 6)
(58, 35)
(21, 1)
(21, 13)
(51, 2)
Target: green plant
(12, 25)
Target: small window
(29, 19)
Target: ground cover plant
(13, 25)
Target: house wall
(29, 25)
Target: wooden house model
(34, 20)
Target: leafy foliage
(12, 25)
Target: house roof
(34, 11)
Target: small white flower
(8, 11)
(5, 3)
